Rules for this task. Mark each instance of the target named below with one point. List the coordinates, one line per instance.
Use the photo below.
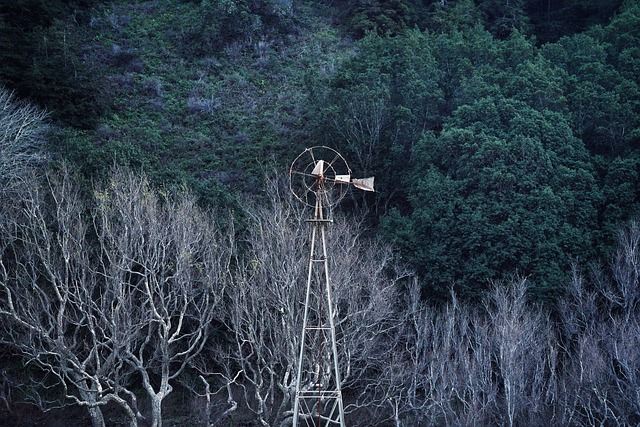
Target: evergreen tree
(503, 189)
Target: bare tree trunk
(97, 419)
(156, 411)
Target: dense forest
(152, 259)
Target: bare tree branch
(22, 129)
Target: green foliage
(217, 22)
(503, 189)
(603, 100)
(42, 51)
(379, 103)
(540, 84)
(620, 185)
(215, 116)
(383, 17)
(214, 24)
(79, 149)
(504, 136)
(498, 184)
(552, 20)
(504, 17)
(457, 15)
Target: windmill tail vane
(365, 184)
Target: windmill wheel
(316, 173)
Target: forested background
(149, 251)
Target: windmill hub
(322, 172)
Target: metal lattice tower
(319, 178)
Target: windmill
(319, 178)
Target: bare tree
(92, 296)
(263, 313)
(427, 384)
(446, 375)
(169, 263)
(599, 380)
(623, 346)
(520, 335)
(475, 366)
(617, 387)
(52, 300)
(578, 311)
(22, 129)
(623, 292)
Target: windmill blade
(365, 184)
(318, 170)
(342, 179)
